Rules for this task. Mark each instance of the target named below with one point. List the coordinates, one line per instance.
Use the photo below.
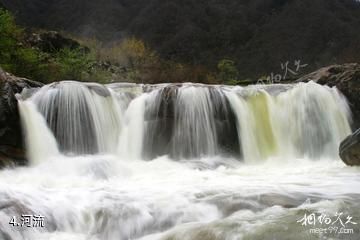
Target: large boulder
(350, 149)
(52, 41)
(346, 78)
(11, 140)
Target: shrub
(228, 72)
(74, 64)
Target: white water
(307, 121)
(41, 143)
(194, 122)
(104, 198)
(83, 120)
(131, 138)
(292, 135)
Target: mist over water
(188, 161)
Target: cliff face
(259, 34)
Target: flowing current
(182, 162)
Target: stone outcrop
(52, 41)
(11, 140)
(350, 149)
(346, 78)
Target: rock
(99, 89)
(11, 140)
(346, 78)
(350, 149)
(51, 41)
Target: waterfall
(84, 118)
(245, 127)
(131, 138)
(40, 142)
(308, 120)
(179, 161)
(185, 121)
(194, 133)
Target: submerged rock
(346, 78)
(350, 149)
(11, 140)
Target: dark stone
(346, 78)
(350, 149)
(11, 140)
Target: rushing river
(182, 162)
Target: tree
(14, 56)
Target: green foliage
(228, 72)
(73, 64)
(9, 32)
(25, 61)
(128, 60)
(14, 57)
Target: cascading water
(35, 139)
(131, 138)
(83, 118)
(307, 120)
(194, 123)
(88, 144)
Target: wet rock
(100, 90)
(160, 123)
(346, 78)
(350, 149)
(11, 140)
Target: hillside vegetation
(257, 35)
(48, 56)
